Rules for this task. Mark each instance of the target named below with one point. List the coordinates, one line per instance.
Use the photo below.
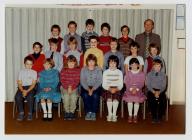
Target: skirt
(136, 98)
(54, 96)
(108, 95)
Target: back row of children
(98, 62)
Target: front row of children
(91, 79)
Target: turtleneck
(135, 72)
(36, 55)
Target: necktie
(51, 57)
(147, 45)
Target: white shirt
(140, 59)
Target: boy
(26, 84)
(89, 32)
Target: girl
(134, 54)
(112, 83)
(91, 80)
(70, 78)
(134, 81)
(48, 81)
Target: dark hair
(132, 61)
(113, 58)
(50, 61)
(72, 22)
(55, 26)
(149, 20)
(134, 44)
(72, 40)
(93, 37)
(125, 26)
(72, 58)
(153, 45)
(53, 40)
(39, 44)
(90, 22)
(105, 25)
(28, 58)
(91, 57)
(113, 39)
(157, 61)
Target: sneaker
(66, 116)
(135, 119)
(88, 116)
(72, 116)
(109, 118)
(114, 118)
(130, 119)
(20, 117)
(93, 116)
(30, 117)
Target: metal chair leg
(167, 110)
(14, 109)
(59, 110)
(122, 109)
(79, 106)
(36, 109)
(144, 111)
(101, 107)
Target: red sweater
(70, 77)
(38, 63)
(104, 43)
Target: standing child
(105, 38)
(134, 81)
(26, 84)
(112, 83)
(89, 32)
(70, 78)
(156, 85)
(48, 82)
(134, 54)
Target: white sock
(136, 108)
(43, 105)
(115, 106)
(130, 108)
(49, 105)
(109, 107)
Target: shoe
(72, 116)
(20, 117)
(30, 117)
(114, 118)
(93, 116)
(88, 116)
(130, 119)
(135, 119)
(66, 116)
(50, 117)
(109, 118)
(45, 117)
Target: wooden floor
(175, 125)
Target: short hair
(91, 57)
(72, 58)
(38, 43)
(105, 25)
(90, 22)
(132, 61)
(50, 61)
(134, 44)
(55, 26)
(93, 37)
(28, 58)
(153, 45)
(113, 58)
(149, 20)
(72, 39)
(72, 22)
(113, 39)
(53, 40)
(125, 26)
(157, 61)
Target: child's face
(55, 32)
(134, 66)
(125, 32)
(153, 51)
(105, 31)
(53, 47)
(148, 26)
(112, 65)
(113, 45)
(157, 67)
(133, 50)
(89, 28)
(93, 43)
(47, 65)
(36, 49)
(71, 64)
(72, 46)
(28, 64)
(72, 28)
(91, 63)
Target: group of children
(91, 66)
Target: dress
(49, 78)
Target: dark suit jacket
(140, 39)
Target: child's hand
(90, 92)
(69, 90)
(24, 93)
(157, 93)
(134, 91)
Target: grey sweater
(91, 77)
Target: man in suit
(146, 38)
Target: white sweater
(112, 78)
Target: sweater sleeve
(83, 80)
(101, 60)
(164, 83)
(122, 63)
(145, 66)
(148, 82)
(120, 86)
(60, 62)
(99, 79)
(104, 84)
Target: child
(53, 54)
(26, 84)
(38, 57)
(112, 83)
(125, 41)
(72, 26)
(94, 50)
(48, 82)
(55, 33)
(89, 32)
(134, 81)
(105, 38)
(153, 54)
(72, 43)
(70, 78)
(134, 47)
(113, 51)
(156, 85)
(91, 80)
